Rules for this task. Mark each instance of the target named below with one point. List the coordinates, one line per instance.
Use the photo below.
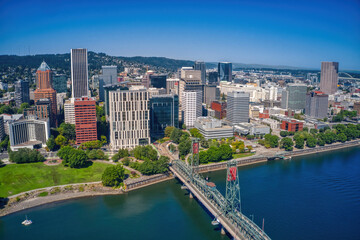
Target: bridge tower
(194, 156)
(233, 202)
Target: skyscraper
(158, 81)
(294, 96)
(85, 119)
(109, 74)
(129, 118)
(211, 93)
(59, 83)
(44, 90)
(238, 107)
(225, 71)
(164, 111)
(191, 106)
(79, 73)
(200, 65)
(213, 77)
(22, 94)
(316, 104)
(329, 77)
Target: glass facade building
(158, 81)
(225, 71)
(164, 110)
(59, 83)
(199, 65)
(22, 94)
(294, 97)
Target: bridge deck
(249, 230)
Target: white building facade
(191, 107)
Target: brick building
(85, 119)
(219, 108)
(292, 125)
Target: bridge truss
(228, 206)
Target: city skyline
(299, 34)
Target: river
(309, 197)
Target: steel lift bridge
(226, 210)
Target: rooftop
(44, 67)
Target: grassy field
(240, 155)
(16, 178)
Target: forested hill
(96, 60)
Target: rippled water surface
(310, 197)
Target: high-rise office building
(2, 127)
(294, 97)
(213, 77)
(129, 118)
(172, 86)
(158, 81)
(59, 83)
(107, 89)
(85, 119)
(200, 65)
(109, 74)
(316, 104)
(225, 71)
(238, 107)
(22, 94)
(79, 73)
(108, 77)
(146, 78)
(329, 77)
(164, 111)
(191, 106)
(211, 93)
(69, 111)
(43, 108)
(28, 133)
(43, 91)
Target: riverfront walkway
(236, 224)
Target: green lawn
(16, 178)
(240, 155)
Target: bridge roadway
(236, 224)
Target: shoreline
(91, 190)
(134, 184)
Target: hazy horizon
(298, 34)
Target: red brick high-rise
(85, 119)
(45, 90)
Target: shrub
(43, 194)
(113, 176)
(25, 155)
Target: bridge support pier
(222, 231)
(191, 195)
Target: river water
(310, 197)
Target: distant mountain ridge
(96, 60)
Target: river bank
(53, 194)
(32, 199)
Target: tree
(313, 131)
(103, 139)
(161, 165)
(284, 134)
(203, 157)
(64, 153)
(77, 159)
(172, 148)
(168, 131)
(196, 133)
(61, 140)
(250, 137)
(91, 145)
(271, 140)
(25, 155)
(204, 143)
(299, 143)
(51, 144)
(67, 130)
(341, 137)
(311, 142)
(185, 146)
(175, 135)
(287, 144)
(183, 126)
(113, 176)
(4, 143)
(225, 151)
(123, 153)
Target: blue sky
(295, 33)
